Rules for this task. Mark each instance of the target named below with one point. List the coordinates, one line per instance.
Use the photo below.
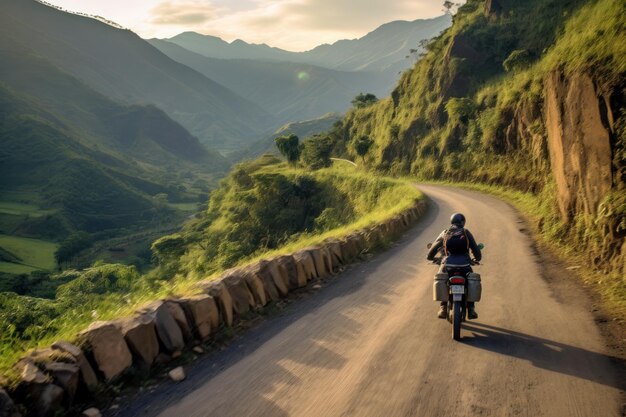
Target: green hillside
(526, 95)
(119, 64)
(73, 160)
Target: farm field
(34, 254)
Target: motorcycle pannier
(440, 287)
(474, 287)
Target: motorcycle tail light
(457, 280)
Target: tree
(364, 100)
(450, 7)
(362, 146)
(289, 147)
(316, 151)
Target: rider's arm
(434, 249)
(473, 246)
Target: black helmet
(458, 219)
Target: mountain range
(306, 85)
(290, 91)
(121, 65)
(385, 48)
(104, 131)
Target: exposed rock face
(87, 374)
(579, 143)
(461, 48)
(109, 350)
(494, 7)
(168, 332)
(140, 335)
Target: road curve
(369, 343)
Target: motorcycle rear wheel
(456, 320)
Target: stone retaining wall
(51, 379)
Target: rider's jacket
(457, 257)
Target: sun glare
(304, 76)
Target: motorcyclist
(456, 243)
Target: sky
(295, 25)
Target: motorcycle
(457, 286)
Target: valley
(143, 168)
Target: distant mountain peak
(384, 48)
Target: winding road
(368, 343)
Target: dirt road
(369, 343)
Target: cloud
(182, 13)
(303, 24)
(352, 15)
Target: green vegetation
(316, 151)
(263, 208)
(364, 100)
(289, 147)
(472, 110)
(303, 130)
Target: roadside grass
(548, 230)
(34, 253)
(375, 199)
(372, 206)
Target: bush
(364, 100)
(517, 60)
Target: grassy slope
(109, 291)
(448, 116)
(119, 64)
(73, 159)
(33, 253)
